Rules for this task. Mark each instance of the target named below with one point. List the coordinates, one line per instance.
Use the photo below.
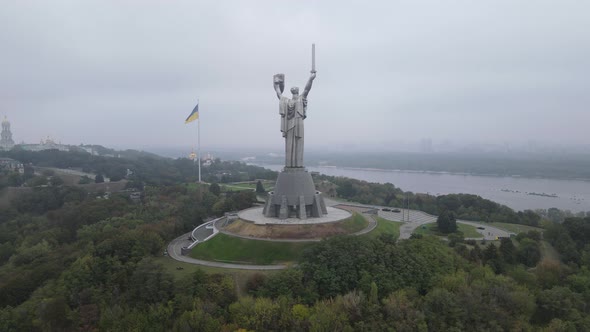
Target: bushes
(342, 264)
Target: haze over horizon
(128, 74)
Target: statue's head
(295, 90)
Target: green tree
(98, 178)
(149, 284)
(29, 171)
(346, 189)
(528, 252)
(84, 180)
(507, 250)
(37, 181)
(492, 259)
(400, 312)
(6, 250)
(56, 181)
(260, 188)
(14, 180)
(215, 189)
(455, 238)
(558, 302)
(288, 282)
(446, 222)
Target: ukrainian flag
(193, 116)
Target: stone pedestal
(294, 196)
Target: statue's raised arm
(309, 83)
(279, 84)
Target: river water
(514, 192)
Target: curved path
(184, 241)
(370, 227)
(417, 219)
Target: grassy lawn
(469, 231)
(268, 186)
(355, 223)
(385, 226)
(228, 249)
(431, 229)
(227, 187)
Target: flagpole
(199, 146)
(199, 142)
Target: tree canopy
(72, 261)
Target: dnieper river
(516, 192)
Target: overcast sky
(127, 73)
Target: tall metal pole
(199, 143)
(312, 58)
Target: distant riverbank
(519, 193)
(561, 165)
(450, 173)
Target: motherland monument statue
(295, 195)
(293, 112)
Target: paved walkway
(489, 232)
(255, 215)
(203, 232)
(417, 219)
(175, 248)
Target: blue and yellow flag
(193, 116)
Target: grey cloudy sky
(127, 73)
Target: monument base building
(294, 196)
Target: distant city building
(89, 149)
(6, 142)
(208, 160)
(47, 144)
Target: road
(419, 218)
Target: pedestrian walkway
(416, 219)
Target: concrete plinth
(255, 216)
(294, 196)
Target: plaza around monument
(177, 249)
